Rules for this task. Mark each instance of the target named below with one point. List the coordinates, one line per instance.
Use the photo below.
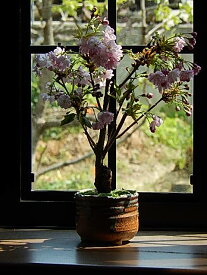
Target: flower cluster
(102, 51)
(163, 79)
(86, 77)
(55, 61)
(104, 118)
(156, 122)
(99, 56)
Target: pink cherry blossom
(64, 101)
(105, 21)
(159, 79)
(173, 75)
(97, 125)
(104, 118)
(163, 80)
(179, 44)
(186, 75)
(196, 69)
(150, 95)
(102, 51)
(109, 35)
(50, 98)
(56, 60)
(156, 122)
(59, 61)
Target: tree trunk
(103, 177)
(47, 17)
(103, 174)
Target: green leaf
(118, 91)
(86, 122)
(136, 107)
(68, 118)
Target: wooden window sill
(55, 251)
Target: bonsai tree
(84, 84)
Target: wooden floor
(29, 251)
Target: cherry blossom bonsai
(88, 76)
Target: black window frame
(56, 208)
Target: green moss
(114, 193)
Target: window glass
(160, 161)
(138, 20)
(61, 156)
(53, 21)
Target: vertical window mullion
(112, 14)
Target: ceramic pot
(107, 219)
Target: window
(56, 208)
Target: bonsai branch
(113, 134)
(90, 140)
(140, 117)
(77, 160)
(136, 66)
(94, 88)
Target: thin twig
(140, 117)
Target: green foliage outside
(163, 11)
(35, 91)
(74, 182)
(175, 133)
(73, 7)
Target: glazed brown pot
(107, 219)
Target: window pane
(138, 20)
(62, 158)
(53, 21)
(160, 161)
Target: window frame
(57, 208)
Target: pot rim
(116, 194)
